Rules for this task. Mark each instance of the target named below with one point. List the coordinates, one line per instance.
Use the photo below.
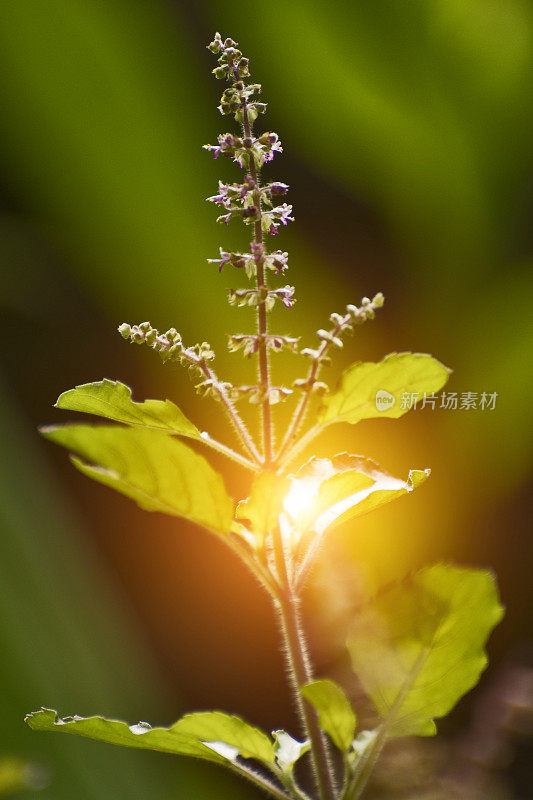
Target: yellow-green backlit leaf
(113, 400)
(264, 505)
(344, 487)
(335, 714)
(211, 735)
(217, 726)
(158, 471)
(378, 389)
(418, 647)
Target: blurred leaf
(359, 394)
(264, 505)
(418, 647)
(90, 652)
(113, 400)
(426, 140)
(17, 775)
(104, 139)
(211, 735)
(497, 357)
(335, 714)
(157, 471)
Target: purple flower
(283, 212)
(226, 140)
(224, 259)
(278, 261)
(227, 143)
(221, 198)
(277, 188)
(286, 295)
(247, 186)
(216, 150)
(275, 147)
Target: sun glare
(299, 497)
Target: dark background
(407, 130)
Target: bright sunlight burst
(300, 496)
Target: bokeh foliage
(407, 131)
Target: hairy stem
(303, 441)
(228, 452)
(262, 574)
(300, 673)
(303, 406)
(262, 319)
(232, 413)
(260, 780)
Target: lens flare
(299, 497)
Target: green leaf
(217, 726)
(418, 647)
(113, 400)
(264, 505)
(335, 714)
(158, 471)
(211, 735)
(341, 488)
(364, 384)
(288, 750)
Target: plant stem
(259, 780)
(356, 786)
(302, 442)
(265, 578)
(262, 320)
(303, 406)
(232, 413)
(300, 673)
(228, 452)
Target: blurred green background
(407, 128)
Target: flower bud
(220, 72)
(243, 67)
(278, 188)
(172, 335)
(216, 45)
(301, 383)
(230, 54)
